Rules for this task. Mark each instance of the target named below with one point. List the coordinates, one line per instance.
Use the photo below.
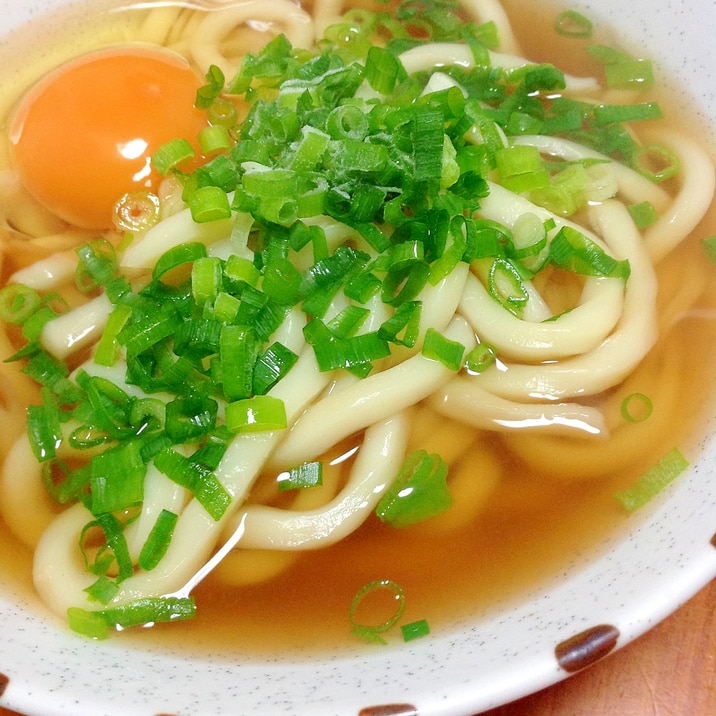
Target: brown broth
(532, 529)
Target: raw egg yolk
(85, 134)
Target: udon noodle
(564, 345)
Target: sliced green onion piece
(309, 474)
(262, 413)
(189, 417)
(571, 23)
(117, 478)
(709, 248)
(87, 623)
(206, 277)
(381, 69)
(415, 630)
(505, 285)
(158, 540)
(571, 250)
(97, 265)
(629, 74)
(178, 256)
(521, 168)
(171, 154)
(480, 358)
(611, 113)
(653, 481)
(44, 430)
(437, 347)
(418, 492)
(209, 203)
(102, 590)
(107, 350)
(656, 162)
(271, 366)
(117, 543)
(644, 214)
(373, 632)
(237, 351)
(215, 138)
(148, 610)
(636, 408)
(18, 303)
(198, 479)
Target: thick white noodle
(577, 331)
(169, 233)
(273, 16)
(25, 505)
(345, 412)
(465, 400)
(78, 328)
(616, 356)
(696, 190)
(378, 461)
(49, 273)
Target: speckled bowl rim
(639, 577)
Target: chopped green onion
(437, 347)
(418, 492)
(107, 350)
(158, 540)
(97, 265)
(103, 590)
(635, 74)
(505, 285)
(18, 303)
(117, 478)
(653, 481)
(571, 250)
(44, 430)
(209, 203)
(237, 351)
(309, 474)
(381, 69)
(644, 214)
(571, 23)
(171, 155)
(709, 248)
(148, 610)
(636, 408)
(262, 413)
(373, 632)
(88, 623)
(198, 479)
(178, 256)
(610, 113)
(117, 543)
(521, 168)
(271, 366)
(190, 417)
(656, 162)
(206, 277)
(415, 630)
(215, 138)
(480, 358)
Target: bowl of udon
(357, 356)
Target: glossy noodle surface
(393, 244)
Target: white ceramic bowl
(639, 578)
